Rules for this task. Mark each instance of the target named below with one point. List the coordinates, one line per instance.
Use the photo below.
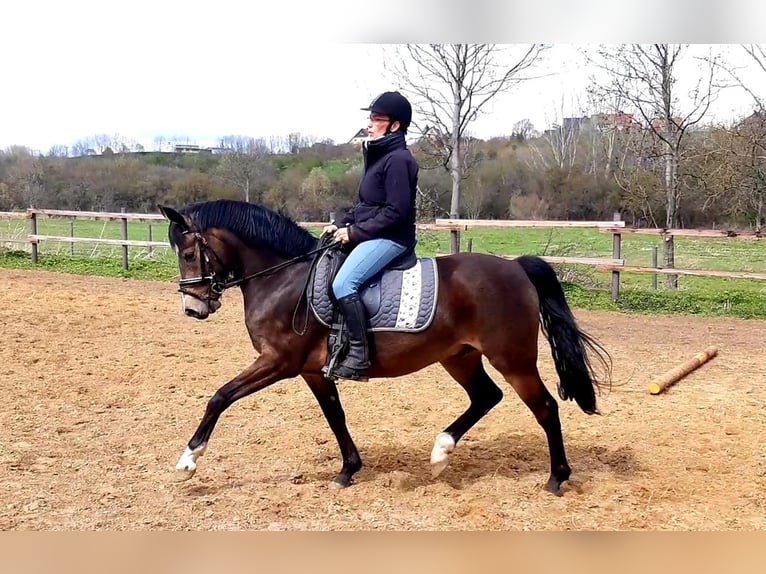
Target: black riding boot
(354, 364)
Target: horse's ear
(172, 215)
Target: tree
(757, 56)
(523, 130)
(449, 85)
(58, 150)
(734, 168)
(315, 193)
(645, 77)
(751, 135)
(245, 165)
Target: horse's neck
(283, 284)
(257, 260)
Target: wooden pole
(675, 374)
(616, 251)
(33, 229)
(655, 265)
(124, 238)
(454, 241)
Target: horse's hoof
(443, 446)
(340, 483)
(184, 472)
(554, 487)
(438, 468)
(187, 464)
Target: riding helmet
(394, 105)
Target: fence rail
(14, 215)
(708, 233)
(503, 223)
(614, 264)
(123, 242)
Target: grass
(585, 287)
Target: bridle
(207, 274)
(217, 285)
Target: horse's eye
(189, 256)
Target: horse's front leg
(266, 370)
(326, 393)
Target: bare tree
(560, 148)
(58, 150)
(757, 57)
(645, 77)
(245, 164)
(449, 85)
(735, 169)
(562, 139)
(523, 130)
(748, 147)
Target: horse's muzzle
(199, 308)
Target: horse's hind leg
(535, 395)
(467, 369)
(326, 394)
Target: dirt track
(104, 382)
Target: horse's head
(202, 263)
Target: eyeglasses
(379, 119)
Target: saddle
(401, 297)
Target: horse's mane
(256, 225)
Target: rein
(218, 286)
(277, 267)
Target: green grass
(585, 287)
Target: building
(359, 137)
(619, 121)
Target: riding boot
(354, 364)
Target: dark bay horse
(487, 306)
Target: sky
(203, 70)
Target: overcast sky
(208, 69)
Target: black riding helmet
(395, 106)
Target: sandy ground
(105, 381)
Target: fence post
(454, 241)
(654, 265)
(616, 252)
(71, 234)
(671, 281)
(470, 245)
(124, 221)
(151, 249)
(33, 231)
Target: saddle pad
(395, 300)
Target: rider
(381, 225)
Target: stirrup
(342, 371)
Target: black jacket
(386, 198)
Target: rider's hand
(329, 229)
(342, 235)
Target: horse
(482, 306)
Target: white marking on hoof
(443, 446)
(187, 464)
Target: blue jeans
(364, 261)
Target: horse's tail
(569, 344)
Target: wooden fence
(613, 264)
(34, 238)
(617, 229)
